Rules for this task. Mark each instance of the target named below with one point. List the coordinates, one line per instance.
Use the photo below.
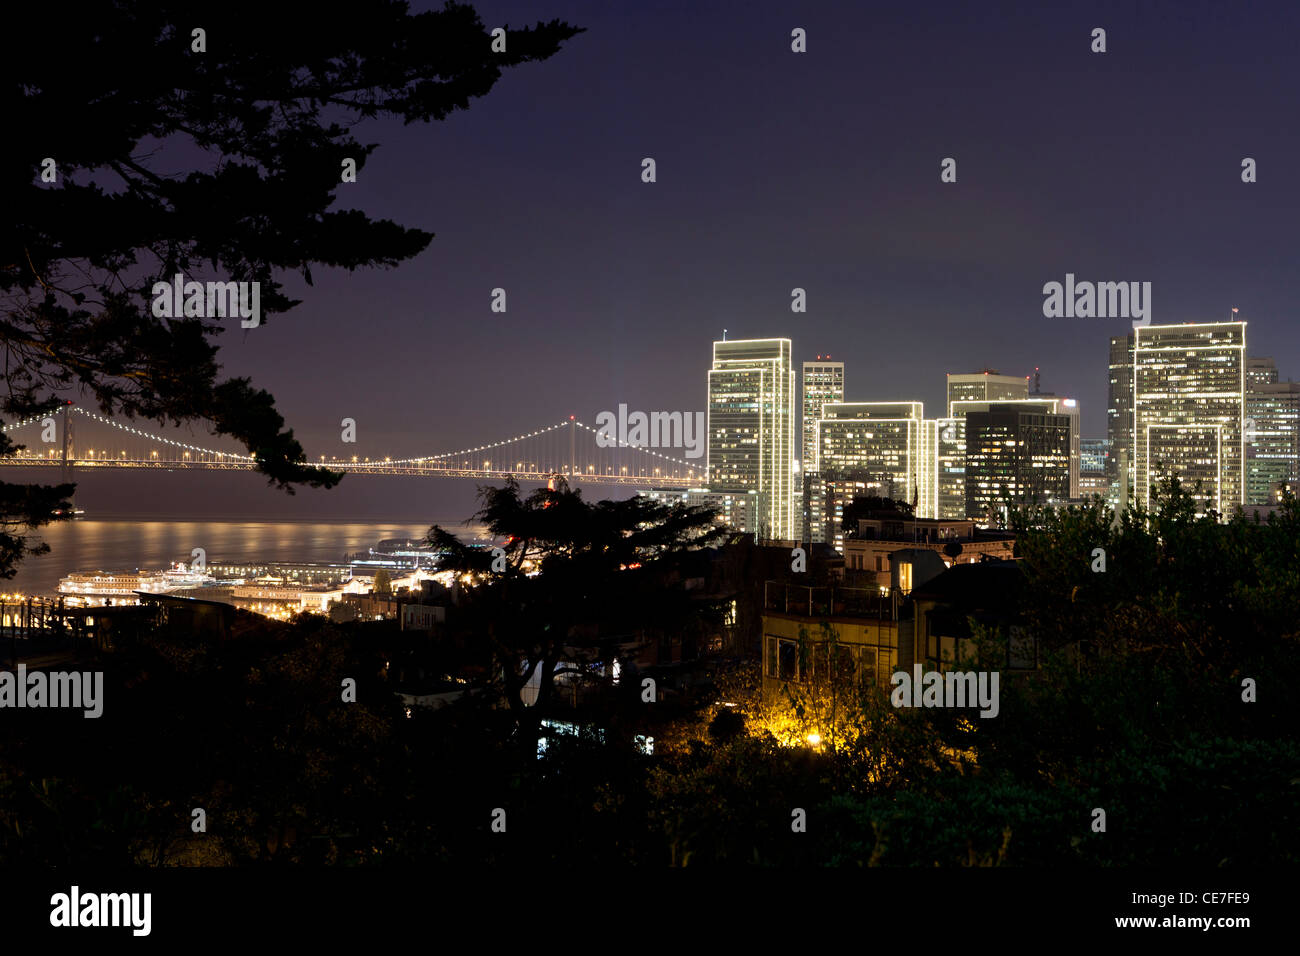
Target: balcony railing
(828, 601)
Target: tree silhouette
(570, 572)
(169, 159)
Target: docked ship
(395, 554)
(95, 587)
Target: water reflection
(89, 545)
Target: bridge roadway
(356, 467)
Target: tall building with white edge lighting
(891, 443)
(823, 381)
(1189, 398)
(751, 428)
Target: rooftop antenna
(724, 331)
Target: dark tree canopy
(221, 165)
(567, 568)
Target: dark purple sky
(818, 170)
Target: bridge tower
(67, 448)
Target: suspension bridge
(73, 438)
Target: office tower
(751, 427)
(1189, 410)
(951, 467)
(925, 467)
(1043, 402)
(1260, 371)
(823, 381)
(886, 442)
(1095, 468)
(1070, 407)
(985, 386)
(1272, 432)
(1119, 403)
(1267, 430)
(1015, 455)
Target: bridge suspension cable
(540, 454)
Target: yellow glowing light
(815, 739)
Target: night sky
(818, 170)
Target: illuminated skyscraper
(823, 381)
(1260, 371)
(1272, 431)
(951, 467)
(1070, 408)
(982, 387)
(1042, 402)
(751, 427)
(1015, 455)
(1189, 398)
(886, 442)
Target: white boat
(179, 576)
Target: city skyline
(784, 159)
(1259, 377)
